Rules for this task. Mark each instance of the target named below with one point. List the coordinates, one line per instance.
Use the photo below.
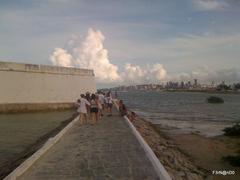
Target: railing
(10, 66)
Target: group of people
(91, 106)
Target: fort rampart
(27, 87)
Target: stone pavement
(107, 150)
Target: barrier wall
(28, 85)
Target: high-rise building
(195, 82)
(182, 85)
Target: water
(185, 111)
(18, 131)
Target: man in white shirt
(82, 109)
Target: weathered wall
(27, 83)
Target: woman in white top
(83, 109)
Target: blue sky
(185, 36)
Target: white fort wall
(28, 86)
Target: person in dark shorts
(94, 108)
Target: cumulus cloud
(158, 72)
(134, 74)
(206, 75)
(61, 57)
(91, 54)
(206, 5)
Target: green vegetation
(237, 86)
(232, 131)
(215, 99)
(233, 160)
(224, 87)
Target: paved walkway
(107, 150)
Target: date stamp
(223, 172)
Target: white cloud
(206, 75)
(60, 57)
(134, 74)
(203, 51)
(158, 72)
(184, 53)
(207, 5)
(92, 54)
(89, 54)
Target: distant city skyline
(126, 42)
(180, 86)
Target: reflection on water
(18, 131)
(185, 110)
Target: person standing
(88, 98)
(109, 103)
(101, 101)
(122, 108)
(94, 109)
(100, 114)
(83, 109)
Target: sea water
(21, 130)
(185, 112)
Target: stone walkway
(107, 150)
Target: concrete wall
(28, 84)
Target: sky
(126, 42)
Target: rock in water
(215, 99)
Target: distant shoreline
(175, 90)
(205, 91)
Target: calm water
(20, 130)
(186, 111)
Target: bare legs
(83, 117)
(110, 109)
(100, 113)
(94, 117)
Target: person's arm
(86, 101)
